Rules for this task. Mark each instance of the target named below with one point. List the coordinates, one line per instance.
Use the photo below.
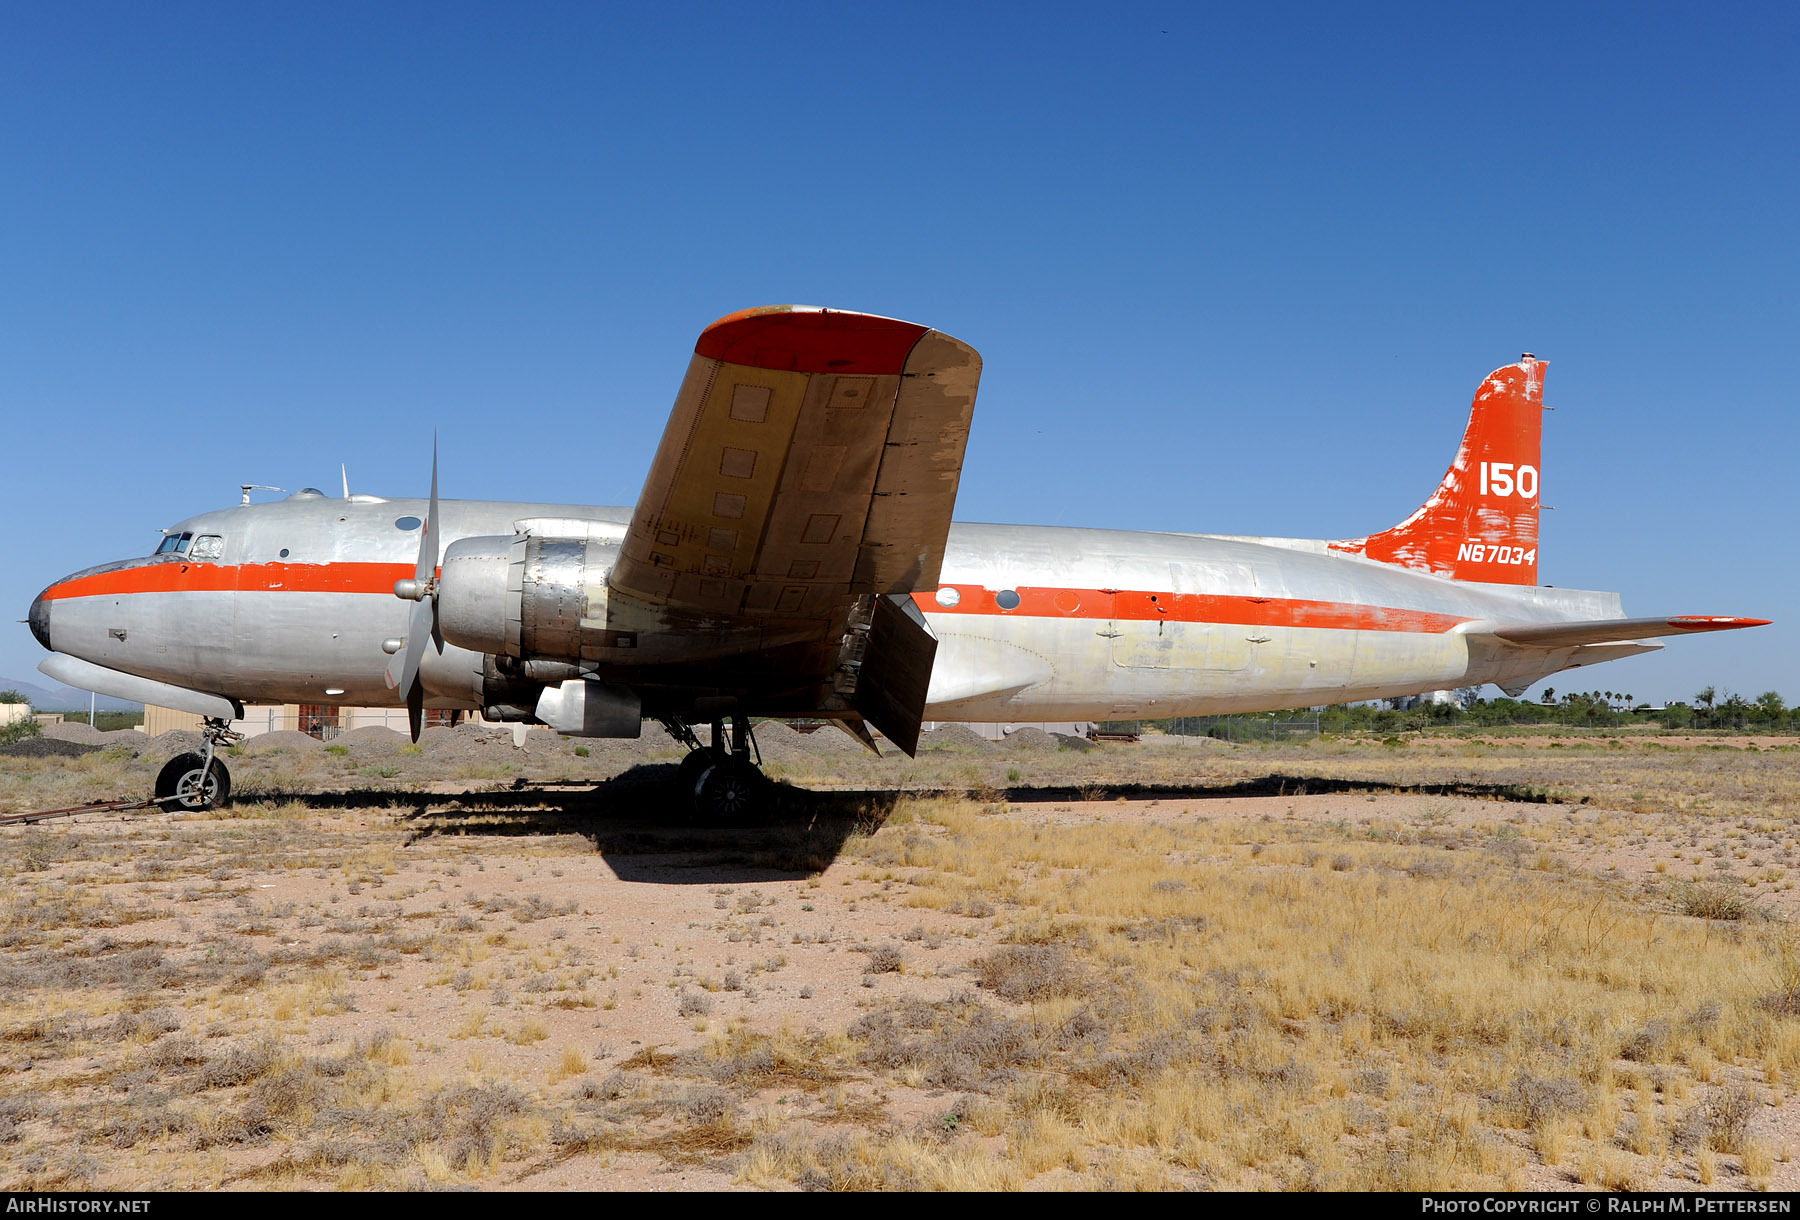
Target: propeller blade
(426, 568)
(415, 708)
(403, 667)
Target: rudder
(1482, 522)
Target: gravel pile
(87, 736)
(290, 739)
(954, 737)
(779, 740)
(371, 742)
(1035, 740)
(161, 748)
(49, 747)
(374, 734)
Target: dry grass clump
(1247, 1017)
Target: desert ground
(1495, 962)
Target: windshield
(175, 544)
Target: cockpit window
(174, 544)
(207, 546)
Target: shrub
(1728, 1117)
(884, 959)
(1715, 901)
(1022, 973)
(20, 730)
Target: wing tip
(811, 339)
(1714, 622)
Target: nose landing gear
(196, 781)
(725, 786)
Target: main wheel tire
(729, 794)
(687, 778)
(183, 785)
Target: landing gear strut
(193, 781)
(724, 783)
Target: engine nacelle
(523, 595)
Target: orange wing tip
(1715, 622)
(808, 339)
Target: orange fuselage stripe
(1136, 605)
(1129, 605)
(197, 577)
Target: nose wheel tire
(188, 784)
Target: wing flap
(1615, 630)
(896, 672)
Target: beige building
(322, 720)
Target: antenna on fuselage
(247, 488)
(345, 471)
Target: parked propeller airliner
(792, 555)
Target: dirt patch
(1148, 966)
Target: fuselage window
(1008, 599)
(207, 546)
(175, 544)
(407, 523)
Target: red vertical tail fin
(1482, 523)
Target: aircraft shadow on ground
(643, 825)
(645, 829)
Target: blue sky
(1231, 268)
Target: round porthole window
(948, 596)
(284, 552)
(408, 523)
(1008, 599)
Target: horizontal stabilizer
(1612, 630)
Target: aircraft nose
(40, 621)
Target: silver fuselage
(1033, 622)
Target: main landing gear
(720, 779)
(196, 781)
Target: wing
(812, 458)
(1618, 630)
